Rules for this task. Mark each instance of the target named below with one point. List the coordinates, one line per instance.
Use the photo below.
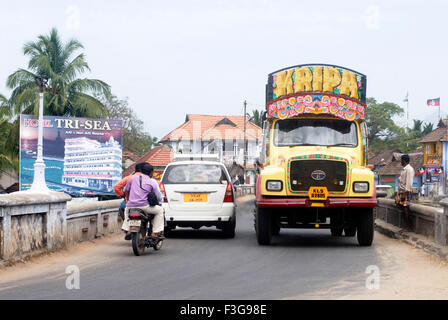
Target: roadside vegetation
(68, 94)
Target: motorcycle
(140, 227)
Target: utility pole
(245, 142)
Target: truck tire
(365, 227)
(263, 226)
(350, 231)
(275, 229)
(336, 232)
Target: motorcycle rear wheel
(138, 241)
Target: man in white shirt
(405, 188)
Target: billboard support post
(39, 184)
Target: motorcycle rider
(137, 191)
(118, 188)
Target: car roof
(196, 162)
(176, 163)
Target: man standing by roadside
(405, 188)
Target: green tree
(380, 121)
(66, 93)
(135, 138)
(8, 147)
(256, 117)
(427, 128)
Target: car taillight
(162, 190)
(229, 193)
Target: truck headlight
(274, 185)
(361, 187)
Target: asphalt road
(202, 265)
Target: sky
(172, 58)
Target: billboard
(319, 79)
(82, 156)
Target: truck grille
(334, 178)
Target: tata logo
(318, 175)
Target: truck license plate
(195, 197)
(318, 193)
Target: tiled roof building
(159, 157)
(223, 135)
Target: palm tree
(417, 125)
(427, 128)
(256, 117)
(66, 94)
(154, 142)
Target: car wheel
(167, 232)
(228, 229)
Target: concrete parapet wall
(243, 190)
(425, 220)
(32, 222)
(91, 220)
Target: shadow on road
(302, 238)
(196, 234)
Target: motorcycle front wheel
(138, 241)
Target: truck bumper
(263, 202)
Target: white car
(198, 193)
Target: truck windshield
(315, 132)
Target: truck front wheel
(365, 227)
(263, 226)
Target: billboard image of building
(82, 156)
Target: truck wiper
(342, 145)
(301, 144)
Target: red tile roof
(160, 156)
(209, 127)
(383, 158)
(439, 134)
(394, 167)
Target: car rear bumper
(226, 212)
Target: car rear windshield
(195, 174)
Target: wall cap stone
(73, 208)
(419, 208)
(31, 197)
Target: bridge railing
(35, 222)
(243, 190)
(425, 220)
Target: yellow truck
(313, 169)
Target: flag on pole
(406, 98)
(433, 102)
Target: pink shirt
(138, 196)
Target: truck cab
(313, 173)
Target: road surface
(301, 264)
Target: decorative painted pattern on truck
(316, 104)
(318, 157)
(363, 126)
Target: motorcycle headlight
(361, 187)
(274, 185)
